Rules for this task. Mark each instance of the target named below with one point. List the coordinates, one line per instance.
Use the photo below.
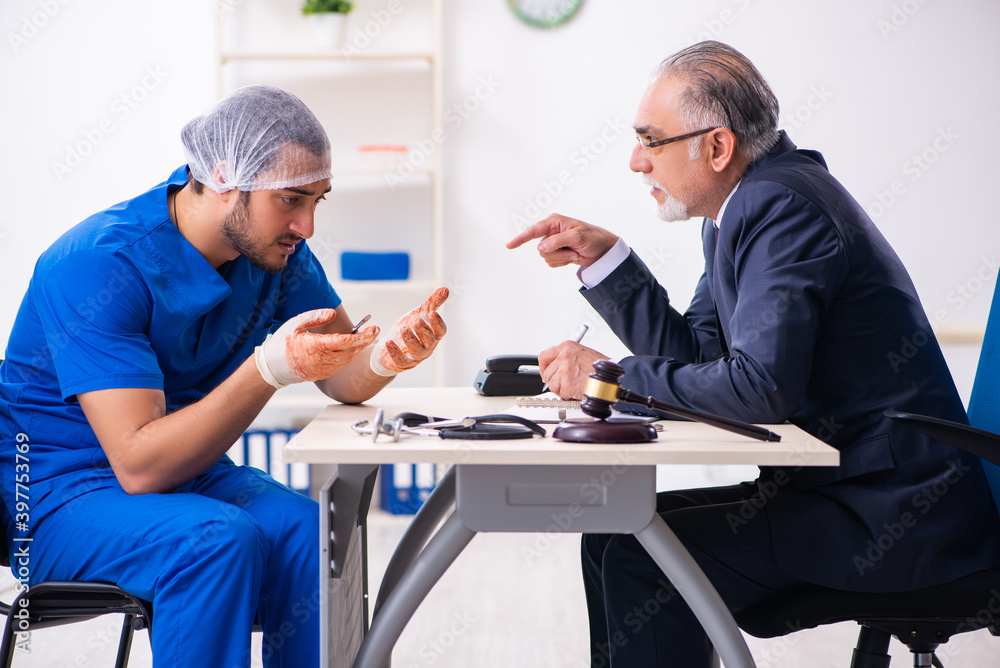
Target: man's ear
(720, 145)
(218, 175)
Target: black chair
(924, 619)
(48, 604)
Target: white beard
(672, 209)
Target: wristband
(265, 371)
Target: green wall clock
(544, 13)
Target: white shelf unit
(383, 87)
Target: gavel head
(602, 389)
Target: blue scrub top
(124, 300)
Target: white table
(505, 485)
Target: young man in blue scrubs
(150, 336)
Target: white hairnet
(258, 138)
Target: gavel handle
(735, 426)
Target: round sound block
(605, 432)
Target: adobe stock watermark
(89, 310)
(657, 257)
(984, 617)
(634, 620)
(457, 288)
(582, 158)
(121, 108)
(432, 650)
(365, 35)
(899, 16)
(803, 113)
(922, 502)
(591, 493)
(766, 318)
(624, 288)
(983, 277)
(34, 23)
(908, 348)
(768, 489)
(302, 611)
(326, 248)
(965, 291)
(452, 119)
(713, 28)
(776, 651)
(913, 169)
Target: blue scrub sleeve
(304, 286)
(94, 309)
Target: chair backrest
(984, 404)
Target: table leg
(412, 588)
(343, 502)
(433, 510)
(684, 573)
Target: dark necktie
(718, 321)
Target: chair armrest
(983, 444)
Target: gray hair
(724, 89)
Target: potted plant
(329, 19)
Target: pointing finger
(434, 302)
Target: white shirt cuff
(602, 268)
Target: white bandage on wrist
(260, 358)
(375, 363)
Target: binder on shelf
(374, 266)
(405, 487)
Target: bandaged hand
(412, 338)
(295, 355)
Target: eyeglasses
(663, 142)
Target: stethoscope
(480, 428)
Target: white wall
(852, 83)
(872, 84)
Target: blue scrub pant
(230, 546)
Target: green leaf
(327, 6)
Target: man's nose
(640, 162)
(304, 224)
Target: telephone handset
(510, 375)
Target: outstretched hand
(293, 354)
(567, 241)
(412, 338)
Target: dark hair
(195, 184)
(724, 89)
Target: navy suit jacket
(820, 325)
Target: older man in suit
(804, 313)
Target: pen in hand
(361, 322)
(579, 337)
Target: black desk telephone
(504, 376)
